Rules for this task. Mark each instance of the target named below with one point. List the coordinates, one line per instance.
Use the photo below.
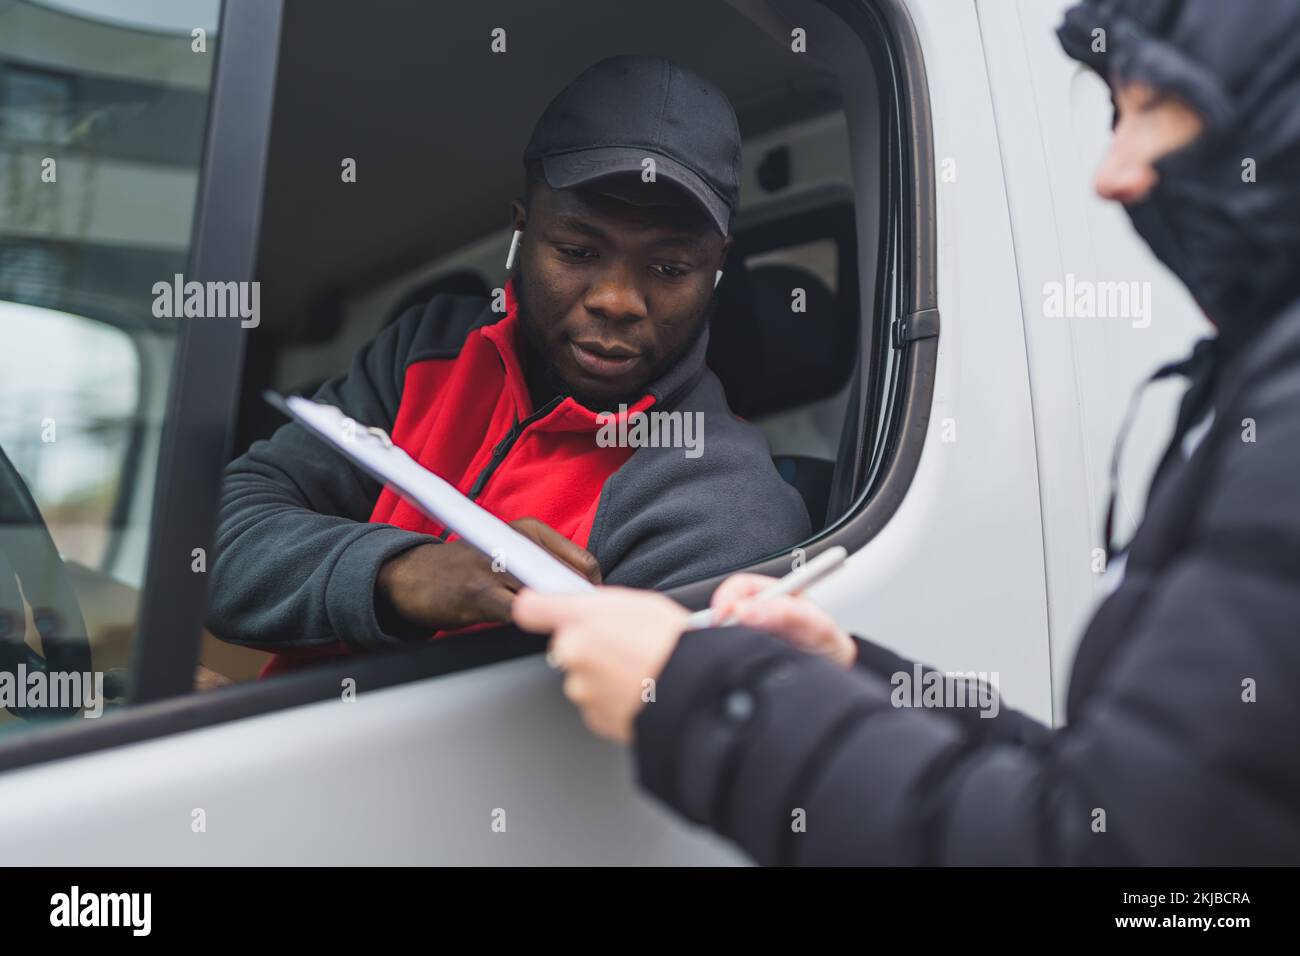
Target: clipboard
(371, 450)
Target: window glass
(79, 380)
(102, 112)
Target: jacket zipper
(504, 445)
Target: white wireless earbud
(717, 278)
(514, 247)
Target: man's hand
(610, 645)
(793, 618)
(437, 587)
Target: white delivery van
(976, 324)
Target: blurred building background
(115, 94)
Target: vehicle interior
(436, 126)
(436, 174)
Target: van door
(438, 755)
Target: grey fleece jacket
(297, 554)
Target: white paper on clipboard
(372, 450)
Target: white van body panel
(955, 579)
(424, 773)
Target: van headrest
(770, 357)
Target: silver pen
(793, 583)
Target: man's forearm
(288, 576)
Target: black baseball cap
(626, 108)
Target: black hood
(1225, 216)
